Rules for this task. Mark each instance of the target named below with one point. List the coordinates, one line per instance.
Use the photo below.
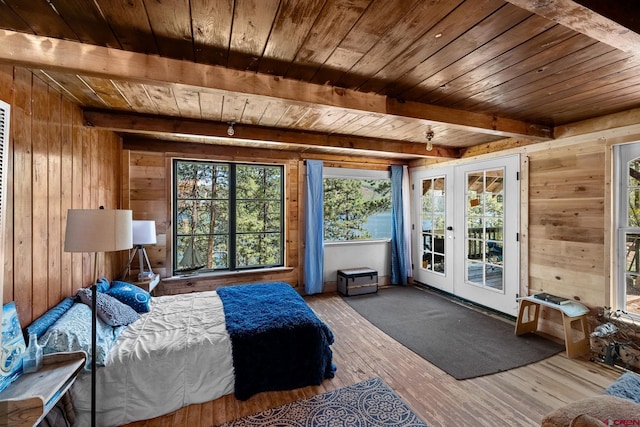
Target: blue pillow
(42, 323)
(102, 284)
(12, 346)
(626, 386)
(110, 310)
(72, 332)
(132, 295)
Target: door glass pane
(632, 273)
(634, 207)
(433, 224)
(631, 287)
(484, 228)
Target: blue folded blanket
(278, 342)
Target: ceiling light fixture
(230, 130)
(429, 135)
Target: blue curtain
(399, 261)
(314, 230)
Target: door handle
(449, 228)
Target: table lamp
(144, 233)
(97, 231)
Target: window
(357, 204)
(227, 216)
(627, 293)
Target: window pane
(474, 249)
(259, 249)
(494, 252)
(438, 244)
(474, 204)
(474, 228)
(258, 182)
(258, 216)
(634, 173)
(634, 207)
(474, 272)
(357, 209)
(198, 180)
(632, 273)
(493, 275)
(191, 252)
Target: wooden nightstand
(30, 398)
(148, 285)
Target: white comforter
(177, 354)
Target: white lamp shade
(98, 230)
(144, 232)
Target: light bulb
(230, 130)
(429, 135)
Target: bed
(196, 347)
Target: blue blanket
(278, 342)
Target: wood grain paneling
(57, 164)
(475, 70)
(567, 253)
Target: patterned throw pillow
(72, 332)
(12, 346)
(42, 323)
(110, 310)
(135, 297)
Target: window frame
(623, 154)
(232, 212)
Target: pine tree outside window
(357, 205)
(227, 216)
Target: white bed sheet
(177, 354)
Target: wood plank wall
(149, 196)
(567, 253)
(55, 164)
(567, 222)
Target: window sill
(225, 274)
(357, 242)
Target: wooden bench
(572, 312)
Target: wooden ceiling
(354, 77)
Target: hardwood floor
(519, 397)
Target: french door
(466, 231)
(433, 229)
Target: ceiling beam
(577, 17)
(176, 127)
(46, 53)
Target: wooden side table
(573, 312)
(29, 399)
(148, 285)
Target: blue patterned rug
(366, 404)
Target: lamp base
(146, 276)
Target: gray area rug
(461, 341)
(366, 404)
